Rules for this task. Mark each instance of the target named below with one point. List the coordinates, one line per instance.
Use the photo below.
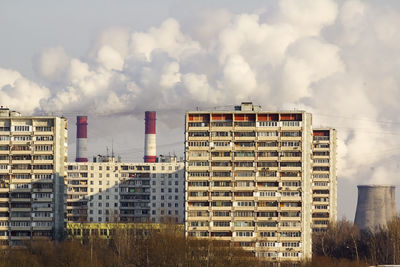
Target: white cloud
(338, 60)
(52, 63)
(110, 58)
(19, 93)
(170, 75)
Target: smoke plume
(338, 60)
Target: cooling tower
(375, 206)
(150, 137)
(81, 139)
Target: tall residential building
(33, 154)
(113, 191)
(324, 178)
(248, 179)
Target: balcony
(221, 178)
(267, 228)
(291, 148)
(198, 168)
(214, 158)
(272, 168)
(244, 198)
(267, 148)
(250, 127)
(4, 209)
(197, 198)
(21, 171)
(199, 208)
(44, 199)
(244, 188)
(203, 218)
(223, 128)
(221, 188)
(245, 168)
(267, 138)
(221, 148)
(291, 128)
(291, 178)
(197, 148)
(198, 138)
(221, 229)
(267, 178)
(20, 152)
(290, 239)
(290, 208)
(267, 158)
(240, 158)
(44, 152)
(203, 127)
(245, 138)
(197, 228)
(297, 168)
(199, 158)
(220, 198)
(221, 138)
(41, 161)
(20, 218)
(283, 158)
(221, 168)
(291, 138)
(290, 198)
(244, 148)
(198, 178)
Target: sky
(113, 60)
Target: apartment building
(324, 178)
(248, 179)
(33, 154)
(112, 191)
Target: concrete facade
(376, 206)
(110, 191)
(249, 179)
(33, 156)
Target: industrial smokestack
(81, 139)
(375, 206)
(150, 137)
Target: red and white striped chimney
(81, 139)
(150, 137)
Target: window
(22, 128)
(268, 124)
(290, 123)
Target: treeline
(345, 241)
(166, 247)
(342, 245)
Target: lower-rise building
(111, 191)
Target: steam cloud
(338, 61)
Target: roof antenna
(112, 148)
(107, 150)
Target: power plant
(375, 206)
(150, 137)
(81, 139)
